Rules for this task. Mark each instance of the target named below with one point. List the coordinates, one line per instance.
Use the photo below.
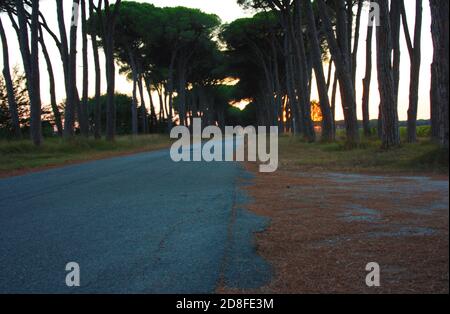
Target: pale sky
(228, 10)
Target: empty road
(134, 224)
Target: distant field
(23, 156)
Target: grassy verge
(22, 156)
(422, 157)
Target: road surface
(135, 224)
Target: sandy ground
(326, 227)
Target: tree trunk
(290, 86)
(170, 91)
(414, 49)
(153, 117)
(182, 94)
(143, 106)
(54, 105)
(29, 48)
(12, 104)
(333, 104)
(98, 108)
(356, 42)
(386, 81)
(302, 75)
(439, 73)
(367, 81)
(109, 29)
(327, 123)
(134, 114)
(83, 114)
(395, 19)
(69, 114)
(342, 63)
(36, 106)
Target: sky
(228, 10)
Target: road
(134, 224)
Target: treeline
(279, 51)
(189, 60)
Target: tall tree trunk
(330, 69)
(182, 94)
(64, 52)
(395, 19)
(54, 105)
(327, 123)
(386, 81)
(356, 41)
(290, 86)
(109, 26)
(340, 52)
(367, 81)
(36, 106)
(153, 118)
(83, 114)
(302, 74)
(414, 49)
(134, 104)
(333, 104)
(29, 48)
(170, 87)
(71, 103)
(12, 104)
(98, 108)
(144, 115)
(439, 72)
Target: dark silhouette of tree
(386, 79)
(12, 104)
(439, 71)
(414, 50)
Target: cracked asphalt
(134, 224)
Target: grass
(422, 157)
(23, 155)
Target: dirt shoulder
(326, 227)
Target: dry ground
(326, 226)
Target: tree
(296, 61)
(22, 100)
(131, 45)
(12, 104)
(439, 71)
(327, 121)
(185, 28)
(54, 105)
(254, 56)
(107, 22)
(414, 50)
(386, 79)
(29, 49)
(83, 114)
(340, 51)
(68, 50)
(367, 80)
(356, 37)
(93, 32)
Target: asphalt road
(135, 224)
